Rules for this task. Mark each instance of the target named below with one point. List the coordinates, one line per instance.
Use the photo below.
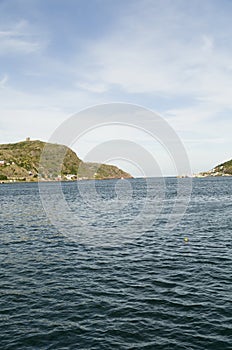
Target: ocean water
(145, 290)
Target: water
(150, 291)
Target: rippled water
(151, 291)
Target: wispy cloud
(94, 87)
(198, 69)
(19, 38)
(3, 81)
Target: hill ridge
(33, 160)
(223, 169)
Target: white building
(70, 176)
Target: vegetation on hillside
(224, 169)
(30, 160)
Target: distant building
(2, 162)
(28, 139)
(70, 176)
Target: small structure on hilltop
(28, 139)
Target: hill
(224, 169)
(33, 160)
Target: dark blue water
(151, 291)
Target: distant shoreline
(113, 178)
(57, 181)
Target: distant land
(21, 161)
(224, 169)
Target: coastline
(63, 180)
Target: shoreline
(2, 182)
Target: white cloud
(38, 124)
(190, 118)
(185, 69)
(38, 115)
(3, 81)
(164, 53)
(93, 87)
(208, 43)
(19, 39)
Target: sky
(173, 57)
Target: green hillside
(223, 169)
(33, 160)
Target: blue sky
(172, 56)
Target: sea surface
(130, 285)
